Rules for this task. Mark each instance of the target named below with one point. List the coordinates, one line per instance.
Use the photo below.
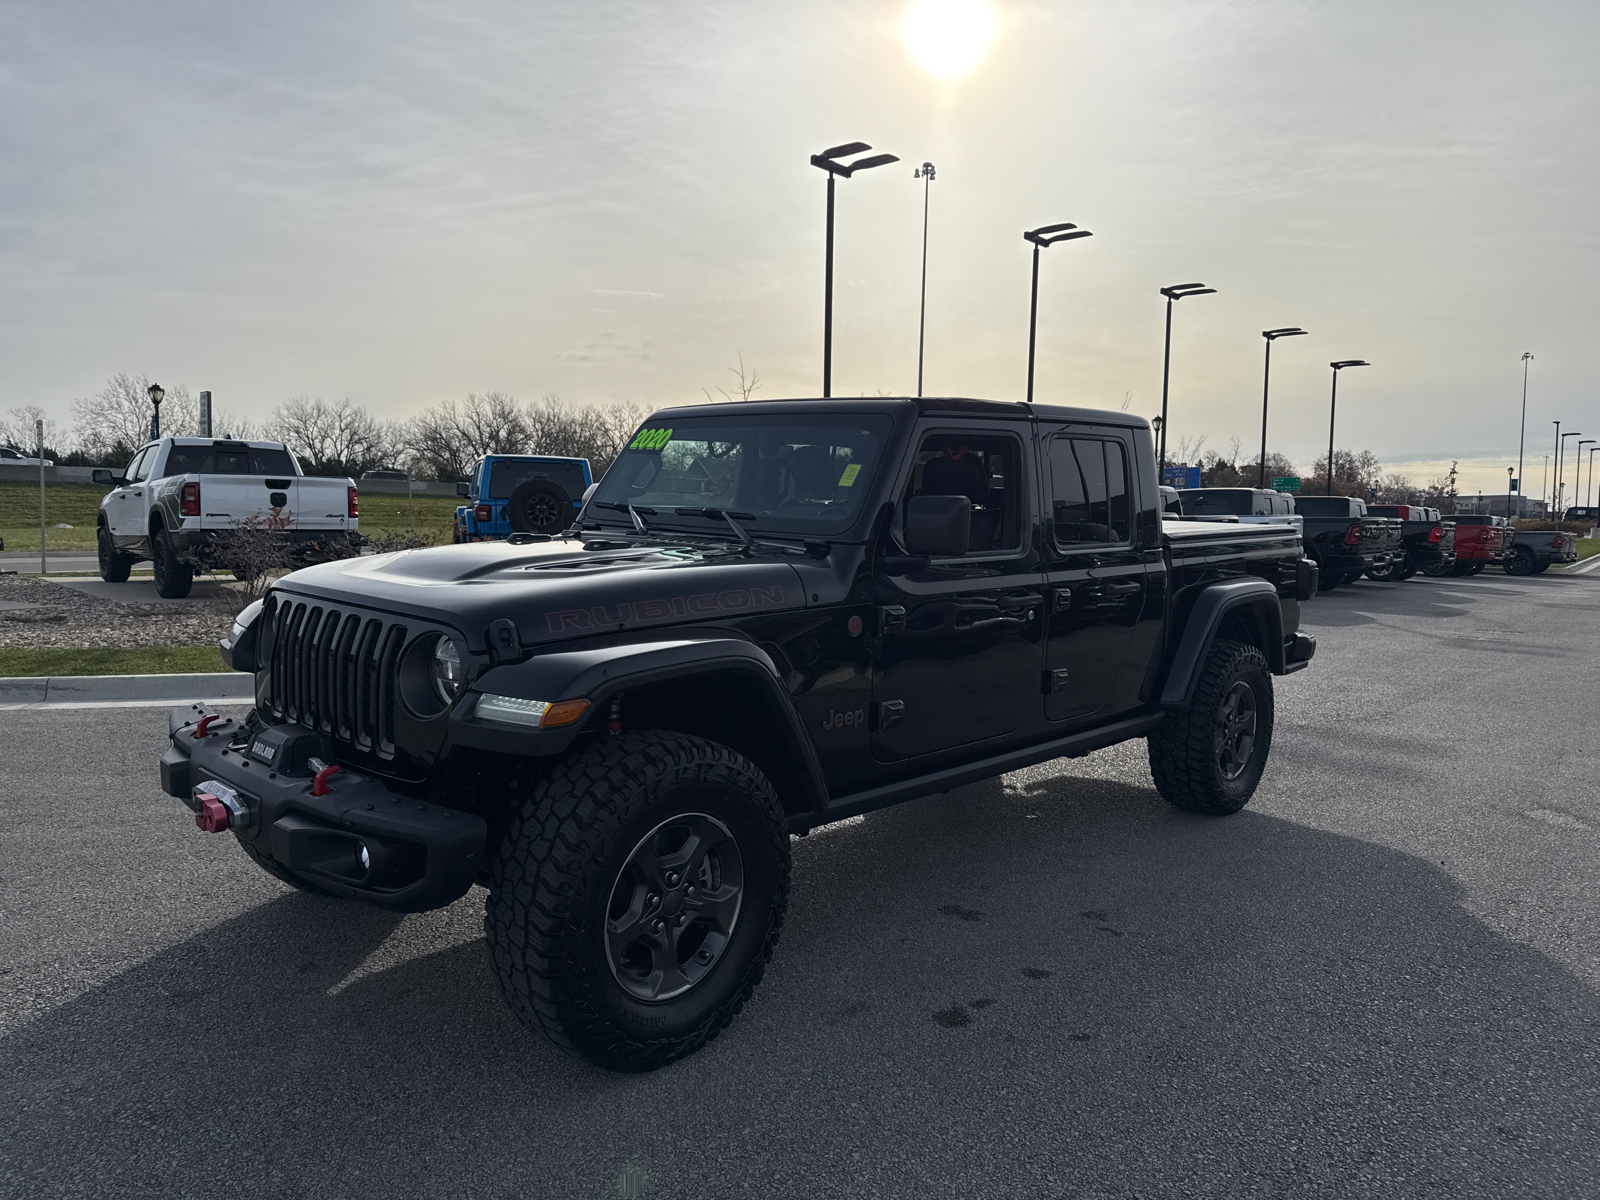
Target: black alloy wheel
(1235, 735)
(115, 566)
(1385, 573)
(1519, 562)
(674, 907)
(174, 577)
(1440, 569)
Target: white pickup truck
(177, 495)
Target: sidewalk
(125, 691)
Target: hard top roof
(1014, 410)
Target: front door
(1096, 573)
(125, 506)
(959, 648)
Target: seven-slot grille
(335, 670)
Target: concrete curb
(125, 691)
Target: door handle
(1122, 589)
(891, 618)
(1016, 601)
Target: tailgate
(227, 501)
(321, 504)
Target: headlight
(447, 670)
(539, 714)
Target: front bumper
(419, 856)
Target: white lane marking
(1560, 820)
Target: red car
(1480, 540)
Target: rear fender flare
(1253, 597)
(602, 669)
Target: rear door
(1096, 575)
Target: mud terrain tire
(1199, 757)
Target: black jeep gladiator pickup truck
(1345, 540)
(767, 617)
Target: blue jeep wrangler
(520, 493)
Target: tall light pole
(1577, 477)
(1045, 235)
(1333, 408)
(924, 173)
(827, 160)
(1509, 470)
(38, 431)
(1561, 460)
(1173, 294)
(1522, 435)
(1271, 335)
(157, 394)
(1544, 479)
(1588, 496)
(1553, 484)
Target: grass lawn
(138, 660)
(1588, 546)
(77, 504)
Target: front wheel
(1438, 570)
(115, 566)
(1209, 757)
(1477, 568)
(174, 577)
(637, 897)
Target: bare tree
(1187, 449)
(116, 420)
(446, 439)
(334, 438)
(20, 432)
(745, 386)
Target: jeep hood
(559, 589)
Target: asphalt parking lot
(1379, 980)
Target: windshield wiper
(746, 542)
(633, 513)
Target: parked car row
(1347, 538)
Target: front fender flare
(1205, 615)
(600, 669)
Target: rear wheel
(174, 577)
(1384, 574)
(115, 566)
(1438, 570)
(1461, 569)
(1477, 568)
(1209, 757)
(1352, 576)
(1519, 562)
(637, 897)
(539, 506)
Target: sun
(948, 38)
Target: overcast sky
(401, 203)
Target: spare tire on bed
(539, 506)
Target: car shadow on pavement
(1050, 985)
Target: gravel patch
(65, 618)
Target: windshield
(797, 474)
(1223, 502)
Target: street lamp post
(1509, 477)
(1588, 497)
(1045, 235)
(828, 161)
(157, 394)
(38, 432)
(1522, 434)
(1333, 407)
(1271, 335)
(1544, 478)
(1553, 484)
(1174, 293)
(1561, 460)
(1577, 475)
(924, 173)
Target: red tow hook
(213, 814)
(319, 785)
(205, 723)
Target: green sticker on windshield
(849, 476)
(650, 439)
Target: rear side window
(1088, 491)
(231, 459)
(139, 468)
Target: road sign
(1182, 477)
(1286, 483)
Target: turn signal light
(189, 500)
(541, 714)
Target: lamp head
(157, 394)
(1049, 235)
(1273, 335)
(1179, 290)
(925, 171)
(1348, 362)
(828, 159)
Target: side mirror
(463, 489)
(938, 526)
(101, 475)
